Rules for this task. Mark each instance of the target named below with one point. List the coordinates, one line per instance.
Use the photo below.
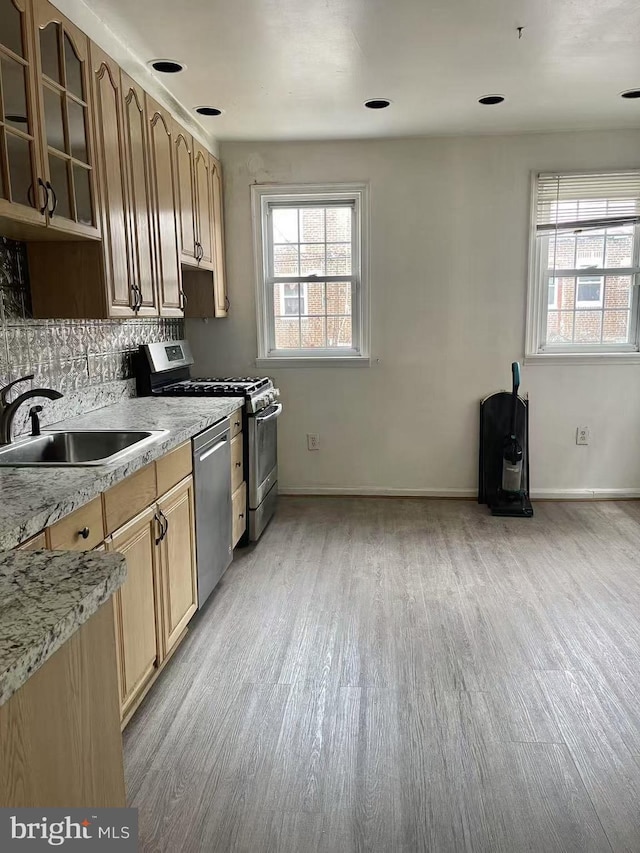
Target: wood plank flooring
(405, 676)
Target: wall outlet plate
(313, 441)
(582, 435)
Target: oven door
(263, 453)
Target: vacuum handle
(515, 373)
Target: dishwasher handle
(212, 450)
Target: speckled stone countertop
(45, 597)
(33, 498)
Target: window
(311, 273)
(585, 263)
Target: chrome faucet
(8, 410)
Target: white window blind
(582, 201)
(586, 263)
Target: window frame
(537, 306)
(263, 196)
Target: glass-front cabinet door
(22, 191)
(67, 143)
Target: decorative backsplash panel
(72, 356)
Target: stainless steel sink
(61, 449)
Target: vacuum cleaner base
(518, 507)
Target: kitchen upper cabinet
(136, 617)
(65, 123)
(221, 301)
(167, 254)
(204, 206)
(122, 290)
(185, 195)
(139, 192)
(205, 288)
(177, 562)
(23, 195)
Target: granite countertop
(34, 498)
(45, 596)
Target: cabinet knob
(238, 464)
(84, 532)
(241, 515)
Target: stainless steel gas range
(164, 369)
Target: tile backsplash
(73, 356)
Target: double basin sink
(76, 449)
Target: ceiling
(300, 69)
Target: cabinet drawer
(80, 531)
(235, 419)
(174, 467)
(128, 498)
(36, 543)
(237, 470)
(239, 510)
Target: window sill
(586, 358)
(314, 361)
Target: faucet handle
(4, 391)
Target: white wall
(449, 244)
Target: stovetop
(232, 386)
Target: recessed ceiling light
(167, 66)
(630, 93)
(208, 111)
(377, 103)
(491, 99)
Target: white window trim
(261, 195)
(537, 307)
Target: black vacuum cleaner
(504, 452)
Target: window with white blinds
(585, 263)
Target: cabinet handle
(238, 464)
(241, 515)
(161, 537)
(166, 523)
(84, 532)
(44, 207)
(55, 199)
(227, 304)
(183, 297)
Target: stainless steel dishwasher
(212, 476)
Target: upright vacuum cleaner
(504, 452)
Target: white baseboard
(377, 490)
(536, 494)
(584, 494)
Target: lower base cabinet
(159, 597)
(135, 607)
(60, 740)
(179, 585)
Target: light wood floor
(405, 676)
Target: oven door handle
(272, 416)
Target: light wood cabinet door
(204, 207)
(140, 217)
(136, 616)
(122, 294)
(65, 108)
(185, 194)
(221, 301)
(177, 562)
(167, 253)
(22, 191)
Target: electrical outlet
(582, 435)
(313, 441)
